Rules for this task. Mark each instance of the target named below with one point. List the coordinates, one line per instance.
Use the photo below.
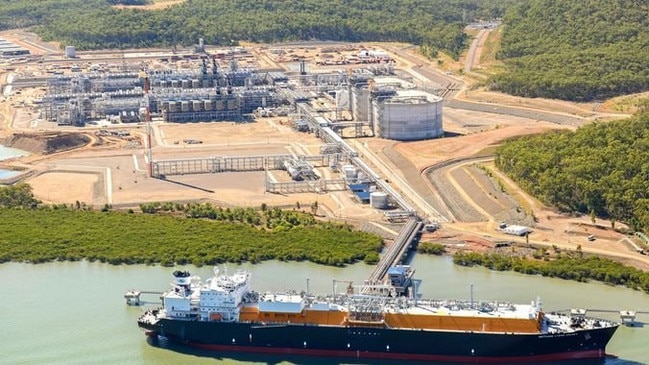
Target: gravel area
(502, 206)
(461, 209)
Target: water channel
(74, 312)
(7, 153)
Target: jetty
(133, 296)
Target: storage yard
(351, 128)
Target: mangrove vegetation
(187, 234)
(573, 266)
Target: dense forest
(600, 169)
(575, 50)
(564, 49)
(569, 267)
(434, 24)
(197, 234)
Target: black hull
(380, 343)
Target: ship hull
(383, 343)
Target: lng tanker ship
(369, 322)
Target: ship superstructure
(369, 321)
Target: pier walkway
(397, 250)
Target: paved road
(556, 118)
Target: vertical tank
(361, 104)
(184, 106)
(379, 200)
(197, 105)
(70, 52)
(232, 104)
(409, 118)
(185, 84)
(350, 172)
(208, 105)
(173, 106)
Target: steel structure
(189, 166)
(311, 186)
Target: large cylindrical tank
(174, 83)
(232, 104)
(185, 84)
(220, 104)
(173, 106)
(196, 84)
(184, 105)
(379, 200)
(197, 105)
(409, 119)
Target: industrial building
(10, 49)
(212, 92)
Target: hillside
(437, 24)
(600, 169)
(575, 50)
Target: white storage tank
(342, 99)
(350, 172)
(184, 106)
(379, 200)
(197, 105)
(361, 105)
(409, 118)
(70, 52)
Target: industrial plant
(212, 92)
(366, 101)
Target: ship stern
(148, 322)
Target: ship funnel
(182, 278)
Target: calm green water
(74, 313)
(6, 153)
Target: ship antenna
(471, 294)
